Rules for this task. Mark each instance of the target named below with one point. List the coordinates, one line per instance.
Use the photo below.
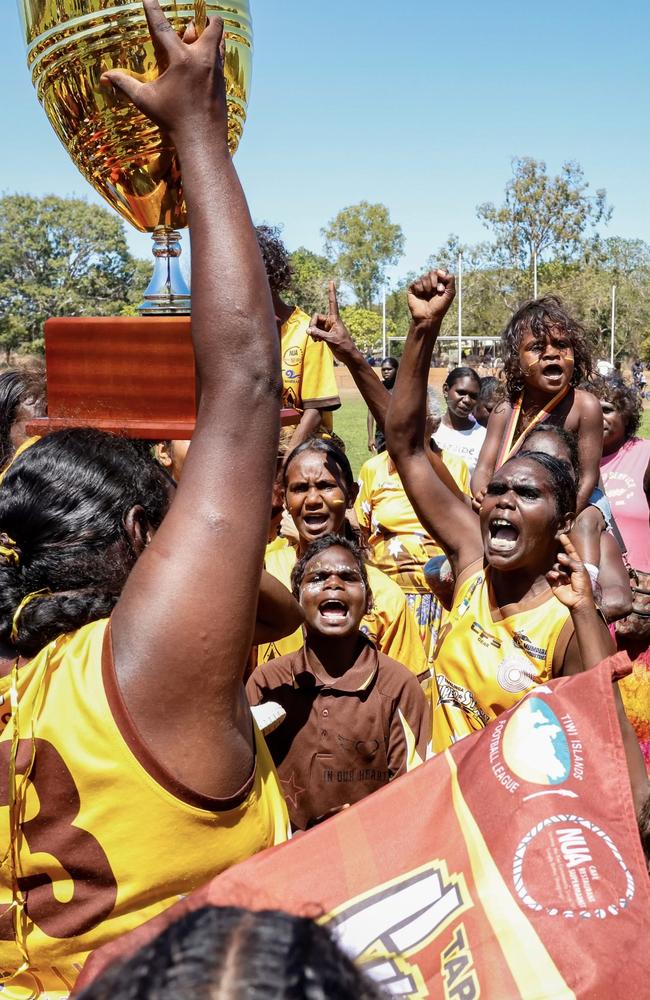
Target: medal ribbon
(508, 449)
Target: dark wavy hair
(275, 256)
(624, 398)
(231, 952)
(568, 439)
(540, 316)
(320, 545)
(64, 502)
(19, 387)
(463, 372)
(564, 484)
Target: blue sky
(414, 104)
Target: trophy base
(132, 376)
(167, 293)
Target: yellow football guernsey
(488, 658)
(307, 370)
(108, 838)
(400, 545)
(389, 624)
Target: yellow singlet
(488, 657)
(390, 624)
(108, 838)
(307, 370)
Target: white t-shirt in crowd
(466, 444)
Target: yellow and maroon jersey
(487, 658)
(101, 837)
(307, 370)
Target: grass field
(350, 424)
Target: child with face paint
(355, 718)
(546, 356)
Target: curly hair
(230, 951)
(63, 505)
(275, 256)
(540, 317)
(624, 398)
(18, 387)
(320, 545)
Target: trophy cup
(132, 375)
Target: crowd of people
(223, 645)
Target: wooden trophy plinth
(131, 375)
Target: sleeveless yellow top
(488, 658)
(107, 839)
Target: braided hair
(63, 505)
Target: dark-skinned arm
(487, 459)
(376, 396)
(590, 447)
(591, 642)
(570, 583)
(183, 627)
(441, 512)
(278, 612)
(614, 580)
(309, 423)
(332, 330)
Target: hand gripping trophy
(117, 373)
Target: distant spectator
(490, 392)
(376, 439)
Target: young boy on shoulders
(355, 719)
(546, 356)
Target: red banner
(508, 867)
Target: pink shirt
(622, 474)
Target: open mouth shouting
(503, 535)
(333, 610)
(317, 524)
(553, 373)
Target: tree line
(64, 257)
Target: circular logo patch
(515, 674)
(567, 866)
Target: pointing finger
(333, 301)
(163, 36)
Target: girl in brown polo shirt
(355, 719)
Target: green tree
(311, 273)
(365, 328)
(543, 215)
(61, 257)
(362, 243)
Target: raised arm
(590, 447)
(183, 628)
(332, 330)
(444, 515)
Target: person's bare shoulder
(586, 408)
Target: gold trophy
(126, 158)
(132, 375)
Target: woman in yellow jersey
(319, 488)
(506, 630)
(399, 545)
(131, 770)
